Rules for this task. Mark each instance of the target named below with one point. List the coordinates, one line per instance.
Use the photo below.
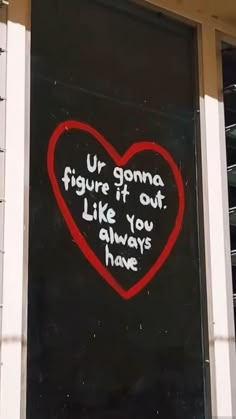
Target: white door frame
(215, 199)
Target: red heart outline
(119, 161)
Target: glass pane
(115, 323)
(229, 79)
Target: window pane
(115, 324)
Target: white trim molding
(217, 235)
(15, 230)
(3, 55)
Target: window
(229, 67)
(115, 264)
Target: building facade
(196, 36)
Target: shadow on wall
(19, 12)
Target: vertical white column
(3, 46)
(15, 224)
(217, 237)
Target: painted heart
(121, 161)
